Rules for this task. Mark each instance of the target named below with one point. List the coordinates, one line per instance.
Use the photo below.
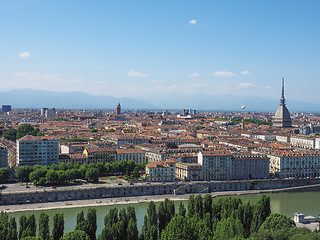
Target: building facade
(137, 155)
(161, 171)
(33, 150)
(295, 165)
(3, 157)
(189, 171)
(6, 108)
(95, 155)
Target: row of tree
(64, 173)
(23, 130)
(227, 218)
(28, 227)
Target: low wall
(107, 191)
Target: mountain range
(29, 98)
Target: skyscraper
(6, 108)
(282, 116)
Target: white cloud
(193, 21)
(156, 81)
(101, 67)
(246, 85)
(170, 87)
(194, 75)
(224, 74)
(24, 54)
(197, 85)
(26, 74)
(245, 73)
(101, 82)
(134, 73)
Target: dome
(282, 116)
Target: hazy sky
(152, 48)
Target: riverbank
(137, 199)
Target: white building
(137, 155)
(161, 171)
(223, 165)
(294, 164)
(33, 150)
(303, 142)
(215, 165)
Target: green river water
(286, 203)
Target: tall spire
(282, 100)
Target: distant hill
(231, 103)
(29, 98)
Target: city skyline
(155, 50)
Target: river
(286, 203)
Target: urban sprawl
(176, 145)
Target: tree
(22, 226)
(262, 210)
(191, 206)
(31, 225)
(93, 130)
(131, 213)
(10, 134)
(177, 229)
(23, 173)
(4, 174)
(52, 176)
(92, 223)
(207, 204)
(246, 218)
(135, 172)
(124, 218)
(76, 235)
(182, 210)
(24, 129)
(58, 226)
(112, 217)
(3, 225)
(12, 229)
(229, 228)
(132, 230)
(149, 228)
(37, 174)
(44, 226)
(92, 174)
(161, 216)
(278, 221)
(198, 206)
(81, 222)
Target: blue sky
(156, 49)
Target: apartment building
(250, 166)
(32, 150)
(73, 158)
(307, 142)
(294, 164)
(216, 165)
(189, 171)
(3, 157)
(95, 154)
(161, 171)
(11, 147)
(224, 165)
(137, 155)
